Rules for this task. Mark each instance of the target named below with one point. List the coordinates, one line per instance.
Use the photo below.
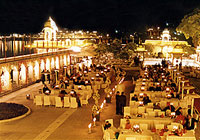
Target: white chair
(85, 101)
(127, 111)
(163, 104)
(141, 110)
(170, 127)
(161, 113)
(151, 113)
(38, 100)
(150, 105)
(149, 110)
(130, 138)
(110, 121)
(132, 103)
(47, 100)
(66, 102)
(143, 126)
(156, 111)
(88, 87)
(168, 112)
(73, 104)
(134, 111)
(58, 102)
(159, 126)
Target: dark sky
(28, 16)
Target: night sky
(28, 16)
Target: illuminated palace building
(24, 57)
(161, 42)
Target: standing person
(122, 103)
(117, 102)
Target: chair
(149, 109)
(134, 111)
(110, 121)
(156, 111)
(58, 102)
(127, 111)
(47, 100)
(73, 104)
(85, 101)
(159, 126)
(163, 104)
(132, 103)
(38, 100)
(66, 102)
(161, 113)
(168, 112)
(141, 110)
(88, 87)
(143, 126)
(150, 105)
(152, 113)
(130, 138)
(170, 127)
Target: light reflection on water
(14, 48)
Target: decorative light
(136, 126)
(144, 80)
(142, 88)
(94, 120)
(173, 113)
(143, 84)
(90, 128)
(141, 94)
(104, 101)
(167, 89)
(28, 96)
(175, 127)
(141, 103)
(97, 75)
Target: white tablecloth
(146, 135)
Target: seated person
(170, 107)
(146, 99)
(179, 111)
(157, 106)
(46, 89)
(107, 124)
(151, 88)
(110, 133)
(173, 84)
(128, 124)
(134, 98)
(190, 123)
(158, 88)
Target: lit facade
(165, 44)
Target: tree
(189, 26)
(101, 49)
